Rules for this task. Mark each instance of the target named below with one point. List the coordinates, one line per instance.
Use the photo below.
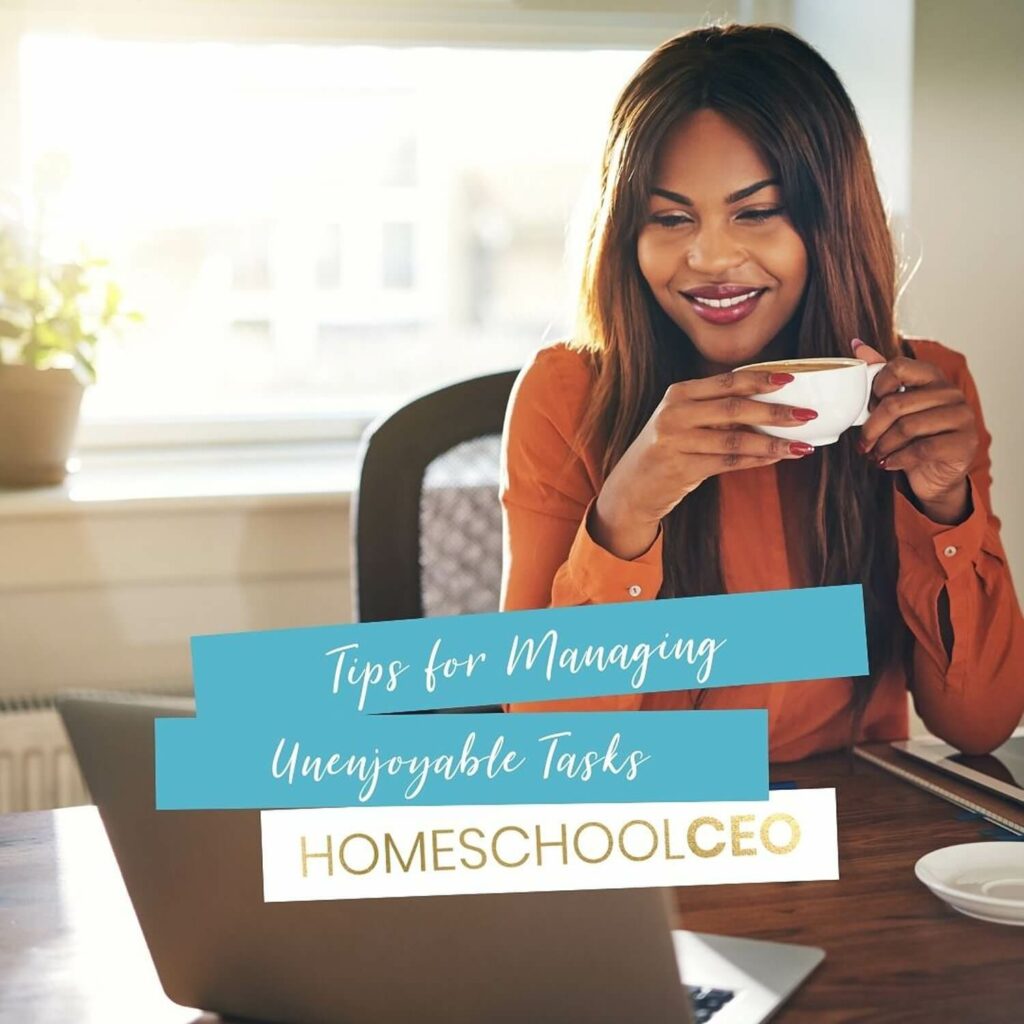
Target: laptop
(195, 882)
(1001, 771)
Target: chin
(728, 353)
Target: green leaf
(113, 301)
(86, 364)
(52, 336)
(31, 354)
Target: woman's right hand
(701, 428)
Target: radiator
(38, 770)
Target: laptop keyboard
(706, 1002)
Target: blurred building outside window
(317, 232)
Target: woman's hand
(923, 426)
(701, 428)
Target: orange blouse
(972, 700)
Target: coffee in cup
(837, 389)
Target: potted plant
(53, 314)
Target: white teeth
(717, 303)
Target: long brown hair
(784, 96)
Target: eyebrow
(733, 197)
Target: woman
(739, 221)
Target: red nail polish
(780, 378)
(804, 415)
(862, 445)
(801, 448)
(856, 344)
(881, 462)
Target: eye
(760, 216)
(670, 220)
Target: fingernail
(804, 415)
(780, 378)
(881, 462)
(856, 344)
(801, 448)
(862, 445)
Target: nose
(714, 250)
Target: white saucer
(983, 880)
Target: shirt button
(635, 591)
(950, 551)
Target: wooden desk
(71, 950)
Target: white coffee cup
(838, 390)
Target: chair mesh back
(460, 530)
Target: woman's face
(716, 230)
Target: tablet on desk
(1002, 771)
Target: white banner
(369, 852)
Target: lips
(723, 303)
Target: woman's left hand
(921, 424)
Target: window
(250, 258)
(313, 230)
(398, 256)
(328, 264)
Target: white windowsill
(99, 436)
(250, 475)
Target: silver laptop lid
(194, 878)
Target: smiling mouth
(726, 310)
(726, 302)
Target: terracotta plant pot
(38, 417)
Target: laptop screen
(1005, 763)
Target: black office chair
(426, 519)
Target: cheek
(790, 260)
(655, 260)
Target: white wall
(869, 43)
(107, 598)
(966, 214)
